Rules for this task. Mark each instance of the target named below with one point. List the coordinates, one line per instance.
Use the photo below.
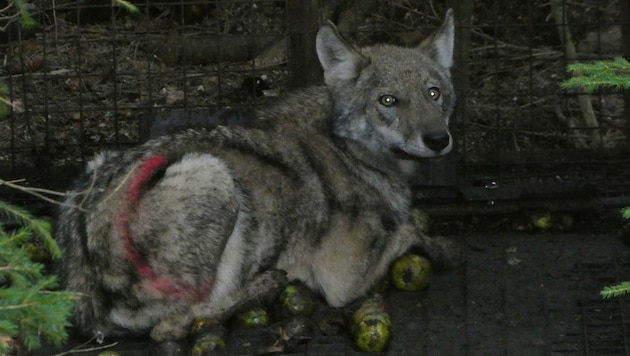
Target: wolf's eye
(388, 100)
(434, 93)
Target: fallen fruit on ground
(207, 343)
(296, 301)
(411, 273)
(254, 317)
(371, 326)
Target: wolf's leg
(357, 254)
(262, 289)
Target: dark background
(91, 76)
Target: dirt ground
(518, 294)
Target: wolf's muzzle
(437, 141)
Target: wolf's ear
(339, 60)
(440, 45)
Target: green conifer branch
(622, 288)
(37, 227)
(33, 312)
(18, 237)
(613, 74)
(618, 66)
(590, 84)
(31, 308)
(618, 290)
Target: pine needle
(127, 5)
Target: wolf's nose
(437, 141)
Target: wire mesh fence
(519, 126)
(93, 75)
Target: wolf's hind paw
(267, 285)
(171, 328)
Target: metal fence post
(303, 23)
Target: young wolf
(195, 224)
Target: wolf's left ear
(339, 60)
(440, 45)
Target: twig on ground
(81, 348)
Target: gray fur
(312, 188)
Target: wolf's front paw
(446, 253)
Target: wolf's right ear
(339, 60)
(440, 44)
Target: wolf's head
(394, 100)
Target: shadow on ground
(518, 294)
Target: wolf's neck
(306, 108)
